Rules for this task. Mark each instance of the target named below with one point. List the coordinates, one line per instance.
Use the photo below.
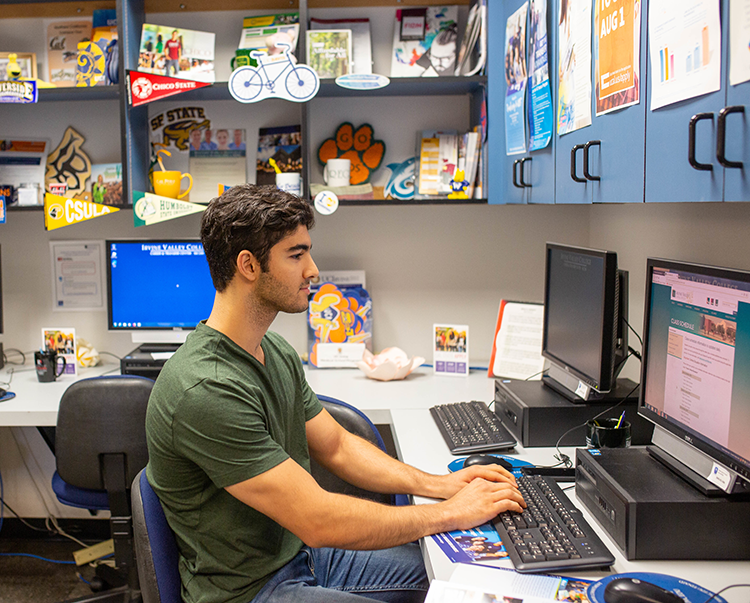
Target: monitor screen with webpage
(584, 334)
(157, 285)
(696, 369)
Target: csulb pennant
(147, 87)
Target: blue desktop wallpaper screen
(158, 284)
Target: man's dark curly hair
(252, 218)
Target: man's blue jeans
(337, 576)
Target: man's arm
(290, 495)
(360, 463)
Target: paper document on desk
(507, 586)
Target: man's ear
(247, 266)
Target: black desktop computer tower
(652, 513)
(141, 361)
(537, 415)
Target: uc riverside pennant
(151, 209)
(64, 211)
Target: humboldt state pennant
(64, 211)
(151, 209)
(147, 87)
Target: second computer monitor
(158, 285)
(585, 309)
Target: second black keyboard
(551, 534)
(469, 427)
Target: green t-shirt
(217, 417)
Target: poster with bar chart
(685, 41)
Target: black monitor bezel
(712, 449)
(606, 379)
(107, 243)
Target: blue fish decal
(401, 183)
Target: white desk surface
(423, 447)
(36, 403)
(403, 404)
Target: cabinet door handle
(573, 174)
(515, 173)
(524, 184)
(721, 136)
(691, 142)
(586, 147)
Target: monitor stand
(698, 469)
(578, 392)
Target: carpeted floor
(29, 580)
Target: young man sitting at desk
(232, 424)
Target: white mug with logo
(289, 182)
(336, 172)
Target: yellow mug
(167, 183)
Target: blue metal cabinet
(524, 178)
(604, 162)
(681, 163)
(733, 144)
(737, 143)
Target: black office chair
(100, 447)
(355, 421)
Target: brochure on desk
(479, 545)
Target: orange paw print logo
(365, 154)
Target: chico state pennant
(64, 211)
(151, 209)
(147, 87)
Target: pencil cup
(604, 433)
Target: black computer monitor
(695, 379)
(157, 285)
(585, 313)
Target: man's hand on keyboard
(452, 483)
(481, 500)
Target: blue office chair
(100, 445)
(355, 421)
(156, 551)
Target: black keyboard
(551, 534)
(469, 427)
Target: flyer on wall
(515, 78)
(540, 105)
(574, 52)
(685, 38)
(617, 52)
(739, 41)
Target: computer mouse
(486, 459)
(3, 392)
(633, 590)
